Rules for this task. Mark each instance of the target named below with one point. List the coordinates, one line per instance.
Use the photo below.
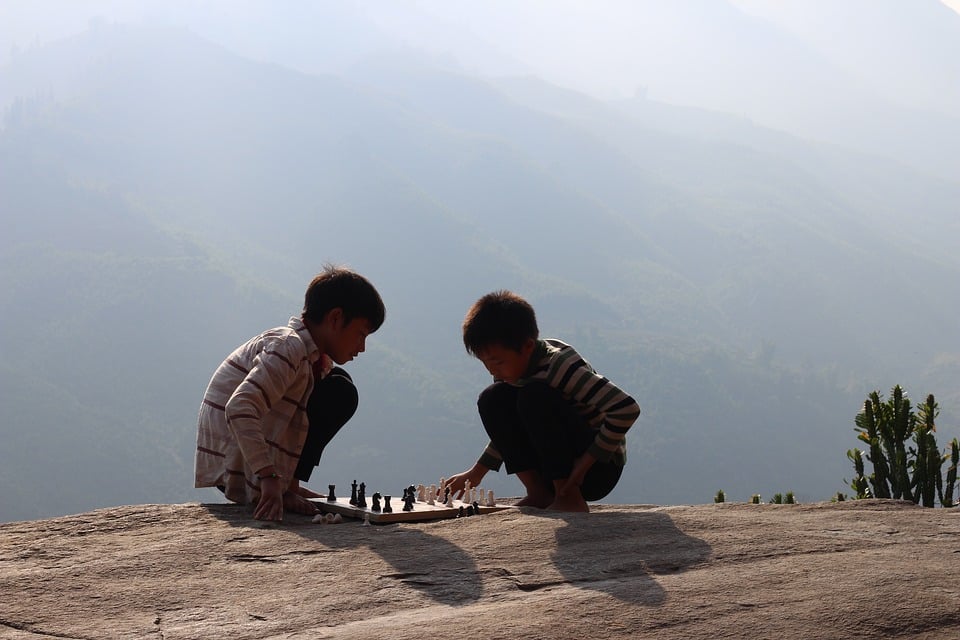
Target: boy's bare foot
(540, 500)
(572, 502)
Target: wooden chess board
(421, 510)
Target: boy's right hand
(270, 506)
(474, 474)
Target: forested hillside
(167, 198)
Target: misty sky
(592, 47)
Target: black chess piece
(412, 490)
(332, 497)
(469, 510)
(353, 493)
(476, 507)
(408, 502)
(376, 503)
(386, 505)
(362, 496)
(461, 513)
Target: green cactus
(790, 498)
(755, 499)
(720, 497)
(901, 472)
(946, 490)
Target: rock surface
(862, 569)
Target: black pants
(536, 429)
(332, 403)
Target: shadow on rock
(430, 564)
(621, 554)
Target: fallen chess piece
(366, 520)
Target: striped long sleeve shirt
(602, 404)
(253, 413)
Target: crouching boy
(277, 400)
(551, 419)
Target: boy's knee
(536, 395)
(495, 396)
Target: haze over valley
(744, 212)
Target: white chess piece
(491, 502)
(319, 519)
(337, 519)
(432, 494)
(421, 493)
(366, 520)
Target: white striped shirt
(253, 413)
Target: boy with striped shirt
(275, 402)
(552, 420)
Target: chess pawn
(431, 495)
(491, 502)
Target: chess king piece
(376, 503)
(362, 496)
(386, 505)
(353, 493)
(332, 497)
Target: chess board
(421, 510)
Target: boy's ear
(335, 317)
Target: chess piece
(362, 496)
(412, 490)
(421, 493)
(469, 509)
(408, 502)
(319, 519)
(386, 505)
(491, 502)
(376, 503)
(331, 518)
(446, 496)
(332, 497)
(353, 493)
(476, 507)
(366, 520)
(337, 519)
(461, 512)
(466, 486)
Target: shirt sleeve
(617, 409)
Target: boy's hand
(474, 474)
(580, 467)
(270, 506)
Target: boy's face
(348, 339)
(507, 364)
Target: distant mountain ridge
(175, 198)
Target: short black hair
(344, 288)
(499, 318)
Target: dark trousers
(536, 429)
(332, 403)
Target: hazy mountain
(165, 199)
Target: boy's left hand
(580, 467)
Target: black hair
(499, 318)
(344, 288)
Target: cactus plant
(720, 497)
